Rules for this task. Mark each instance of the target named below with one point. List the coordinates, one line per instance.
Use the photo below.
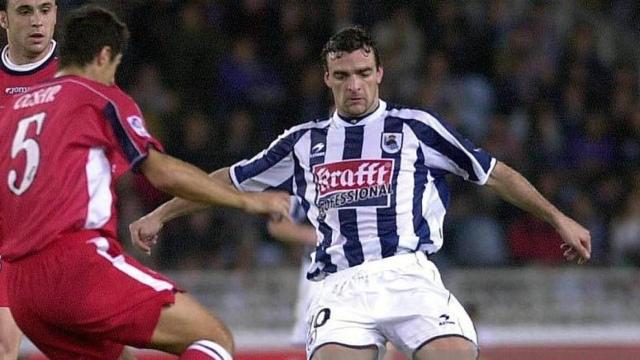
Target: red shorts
(4, 297)
(82, 298)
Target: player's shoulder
(108, 93)
(421, 114)
(316, 123)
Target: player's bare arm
(289, 231)
(514, 188)
(194, 190)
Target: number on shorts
(32, 151)
(321, 317)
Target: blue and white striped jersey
(372, 187)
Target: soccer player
(71, 288)
(28, 58)
(371, 180)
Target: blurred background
(549, 87)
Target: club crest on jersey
(138, 126)
(391, 143)
(353, 183)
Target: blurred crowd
(549, 87)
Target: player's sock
(205, 350)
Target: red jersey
(16, 79)
(67, 141)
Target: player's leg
(447, 348)
(127, 354)
(186, 328)
(10, 335)
(340, 352)
(392, 353)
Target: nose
(36, 19)
(353, 84)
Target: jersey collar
(340, 121)
(6, 61)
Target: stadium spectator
(625, 232)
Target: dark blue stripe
(442, 187)
(386, 217)
(211, 349)
(420, 225)
(128, 147)
(286, 185)
(353, 140)
(433, 139)
(278, 151)
(318, 136)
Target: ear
(379, 74)
(326, 78)
(3, 20)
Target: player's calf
(189, 330)
(10, 336)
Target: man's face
(30, 25)
(354, 81)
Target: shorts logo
(138, 126)
(444, 320)
(353, 183)
(391, 143)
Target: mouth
(36, 36)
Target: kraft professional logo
(353, 183)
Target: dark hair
(349, 40)
(86, 31)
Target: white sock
(210, 348)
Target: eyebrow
(357, 71)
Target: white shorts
(400, 299)
(306, 291)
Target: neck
(28, 58)
(87, 72)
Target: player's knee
(8, 352)
(9, 347)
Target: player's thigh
(447, 348)
(9, 335)
(185, 322)
(340, 352)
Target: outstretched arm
(514, 188)
(288, 231)
(194, 190)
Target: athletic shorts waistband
(375, 266)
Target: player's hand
(272, 203)
(576, 241)
(144, 232)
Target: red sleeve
(128, 125)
